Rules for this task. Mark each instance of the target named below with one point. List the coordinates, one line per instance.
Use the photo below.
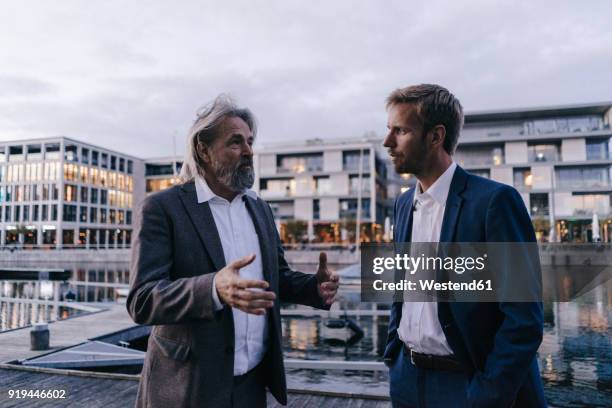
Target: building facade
(559, 159)
(319, 190)
(59, 192)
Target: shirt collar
(439, 189)
(204, 193)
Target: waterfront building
(161, 173)
(59, 192)
(559, 159)
(319, 190)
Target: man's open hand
(248, 295)
(327, 281)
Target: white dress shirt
(238, 239)
(419, 326)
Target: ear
(438, 135)
(203, 152)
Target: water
(575, 356)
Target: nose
(247, 150)
(388, 142)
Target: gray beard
(238, 178)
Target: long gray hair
(204, 130)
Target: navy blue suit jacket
(495, 342)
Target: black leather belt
(431, 362)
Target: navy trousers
(413, 387)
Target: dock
(100, 319)
(91, 390)
(34, 274)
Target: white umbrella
(310, 230)
(387, 231)
(596, 237)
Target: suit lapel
(453, 205)
(405, 213)
(204, 223)
(259, 218)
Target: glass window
(351, 159)
(159, 170)
(70, 193)
(113, 163)
(83, 214)
(102, 216)
(543, 152)
(71, 153)
(522, 178)
(85, 155)
(52, 151)
(299, 163)
(316, 210)
(354, 187)
(45, 213)
(130, 168)
(35, 214)
(103, 197)
(581, 177)
(597, 149)
(2, 154)
(104, 161)
(70, 213)
(93, 215)
(277, 187)
(94, 158)
(128, 217)
(16, 153)
(479, 155)
(34, 152)
(94, 196)
(84, 191)
(121, 164)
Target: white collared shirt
(419, 326)
(238, 239)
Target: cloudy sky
(130, 75)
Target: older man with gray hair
(208, 272)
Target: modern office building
(318, 190)
(161, 173)
(60, 192)
(559, 158)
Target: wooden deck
(116, 390)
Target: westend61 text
(430, 284)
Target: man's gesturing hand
(327, 281)
(241, 293)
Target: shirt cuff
(216, 302)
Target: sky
(131, 75)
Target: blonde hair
(204, 130)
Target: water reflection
(23, 303)
(575, 357)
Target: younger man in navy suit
(444, 354)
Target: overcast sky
(129, 75)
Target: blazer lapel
(259, 218)
(453, 205)
(204, 222)
(404, 218)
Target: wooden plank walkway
(63, 333)
(93, 390)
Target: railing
(42, 247)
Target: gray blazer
(176, 250)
